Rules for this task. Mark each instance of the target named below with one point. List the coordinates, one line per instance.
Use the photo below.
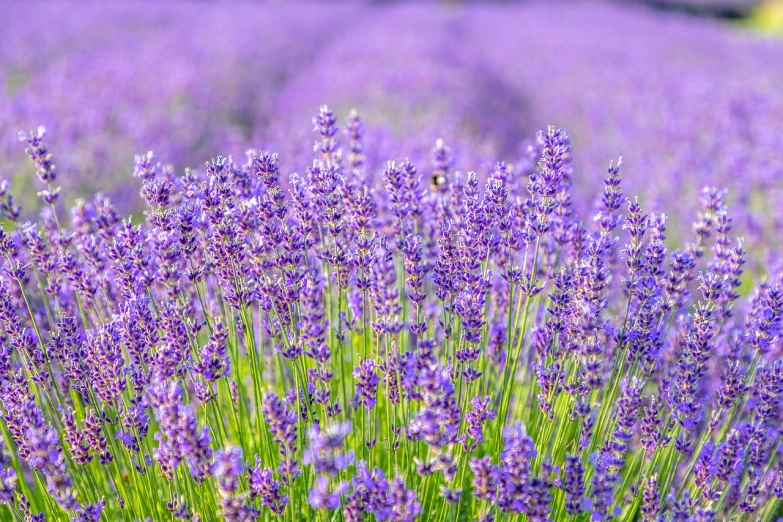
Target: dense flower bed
(383, 344)
(429, 311)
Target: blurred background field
(690, 92)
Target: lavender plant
(384, 344)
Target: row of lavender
(691, 101)
(382, 345)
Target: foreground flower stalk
(345, 344)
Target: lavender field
(389, 262)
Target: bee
(438, 180)
(442, 160)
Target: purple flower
(437, 423)
(226, 468)
(90, 512)
(322, 496)
(403, 502)
(650, 500)
(366, 383)
(730, 456)
(485, 478)
(282, 423)
(263, 485)
(602, 486)
(214, 362)
(7, 485)
(45, 169)
(477, 417)
(180, 437)
(515, 459)
(326, 452)
(573, 484)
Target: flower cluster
(701, 109)
(351, 344)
